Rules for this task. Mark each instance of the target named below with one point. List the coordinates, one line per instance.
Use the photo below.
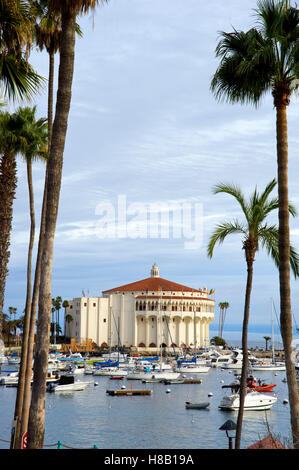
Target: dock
(128, 392)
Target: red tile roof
(267, 443)
(152, 284)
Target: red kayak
(116, 377)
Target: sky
(146, 134)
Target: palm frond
(269, 237)
(222, 231)
(236, 192)
(18, 79)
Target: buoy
(285, 401)
(210, 394)
(95, 384)
(222, 381)
(123, 386)
(168, 390)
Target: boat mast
(272, 329)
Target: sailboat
(272, 365)
(156, 372)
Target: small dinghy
(197, 406)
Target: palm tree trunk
(50, 95)
(33, 309)
(27, 389)
(284, 268)
(23, 365)
(8, 184)
(243, 382)
(37, 408)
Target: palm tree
(223, 309)
(69, 10)
(267, 339)
(65, 305)
(68, 321)
(9, 147)
(17, 77)
(17, 80)
(256, 233)
(265, 59)
(34, 134)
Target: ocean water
(84, 419)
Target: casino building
(149, 313)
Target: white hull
(153, 375)
(10, 379)
(116, 372)
(253, 401)
(77, 386)
(270, 367)
(193, 370)
(232, 366)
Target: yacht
(253, 401)
(221, 360)
(66, 383)
(237, 360)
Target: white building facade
(150, 313)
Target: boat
(153, 375)
(89, 369)
(11, 378)
(252, 384)
(14, 359)
(66, 383)
(116, 377)
(221, 360)
(272, 366)
(253, 401)
(110, 371)
(196, 406)
(152, 381)
(237, 360)
(174, 381)
(192, 369)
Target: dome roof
(152, 284)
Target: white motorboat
(13, 359)
(3, 359)
(237, 360)
(11, 378)
(221, 360)
(253, 401)
(55, 364)
(67, 383)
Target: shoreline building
(146, 314)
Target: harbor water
(91, 417)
